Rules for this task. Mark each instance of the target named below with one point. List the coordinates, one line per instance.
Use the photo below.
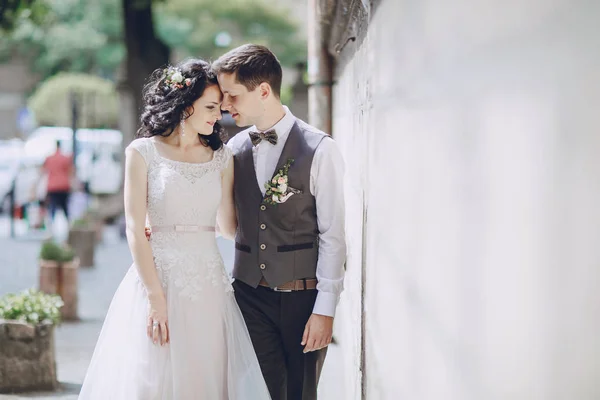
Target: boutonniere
(278, 190)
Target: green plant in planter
(31, 306)
(52, 251)
(81, 223)
(87, 221)
(68, 254)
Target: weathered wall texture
(15, 80)
(471, 134)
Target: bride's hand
(158, 323)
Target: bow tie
(269, 136)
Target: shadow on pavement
(64, 389)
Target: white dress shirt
(326, 185)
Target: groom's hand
(317, 333)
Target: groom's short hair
(253, 64)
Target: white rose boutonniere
(278, 190)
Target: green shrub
(81, 223)
(88, 220)
(52, 251)
(68, 254)
(97, 99)
(31, 306)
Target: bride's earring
(182, 128)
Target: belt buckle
(276, 289)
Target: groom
(290, 244)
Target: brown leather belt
(292, 286)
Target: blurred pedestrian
(59, 170)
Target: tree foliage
(97, 99)
(11, 10)
(88, 35)
(68, 35)
(208, 28)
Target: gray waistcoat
(279, 242)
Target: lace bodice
(182, 193)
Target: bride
(174, 330)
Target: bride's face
(207, 111)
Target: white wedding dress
(210, 355)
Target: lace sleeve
(225, 157)
(141, 146)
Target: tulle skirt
(209, 357)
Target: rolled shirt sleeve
(326, 181)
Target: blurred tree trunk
(145, 52)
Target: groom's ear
(264, 90)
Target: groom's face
(245, 106)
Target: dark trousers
(276, 322)
(56, 200)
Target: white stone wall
(471, 134)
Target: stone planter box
(83, 242)
(27, 357)
(99, 231)
(61, 279)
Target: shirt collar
(283, 127)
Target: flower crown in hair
(175, 79)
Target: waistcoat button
(263, 207)
(263, 226)
(263, 266)
(263, 246)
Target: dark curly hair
(165, 105)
